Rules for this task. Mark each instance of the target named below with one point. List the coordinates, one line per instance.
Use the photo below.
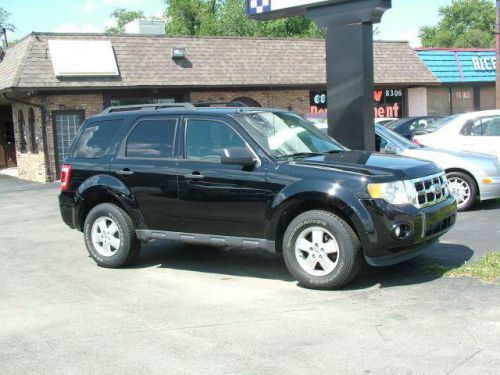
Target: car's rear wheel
(321, 250)
(463, 188)
(110, 236)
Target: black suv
(251, 178)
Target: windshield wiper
(299, 155)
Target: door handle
(194, 176)
(125, 172)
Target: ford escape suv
(251, 178)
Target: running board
(207, 239)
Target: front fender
(333, 194)
(104, 186)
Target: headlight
(392, 192)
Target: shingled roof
(145, 61)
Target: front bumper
(489, 190)
(427, 224)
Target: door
(481, 135)
(217, 198)
(66, 125)
(146, 164)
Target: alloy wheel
(460, 190)
(106, 236)
(317, 251)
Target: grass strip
(486, 269)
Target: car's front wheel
(321, 250)
(110, 236)
(463, 188)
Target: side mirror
(238, 156)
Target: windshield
(285, 134)
(396, 138)
(395, 124)
(440, 123)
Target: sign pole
(349, 51)
(349, 56)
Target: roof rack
(225, 104)
(146, 107)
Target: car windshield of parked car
(395, 138)
(440, 123)
(394, 124)
(285, 134)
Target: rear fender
(107, 188)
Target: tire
(110, 246)
(335, 271)
(466, 185)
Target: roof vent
(145, 27)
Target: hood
(431, 153)
(371, 163)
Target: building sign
(484, 64)
(387, 103)
(268, 9)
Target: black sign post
(349, 55)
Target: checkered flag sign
(259, 6)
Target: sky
(402, 22)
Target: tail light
(65, 176)
(416, 141)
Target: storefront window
(487, 97)
(438, 101)
(462, 99)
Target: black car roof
(202, 111)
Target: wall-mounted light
(178, 53)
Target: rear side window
(152, 139)
(96, 138)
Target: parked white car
(470, 174)
(474, 131)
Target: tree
(464, 23)
(4, 17)
(228, 18)
(191, 17)
(123, 16)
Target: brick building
(43, 100)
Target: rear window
(96, 138)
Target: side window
(205, 140)
(152, 138)
(484, 126)
(96, 138)
(493, 128)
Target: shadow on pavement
(259, 264)
(486, 206)
(413, 271)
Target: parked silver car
(470, 175)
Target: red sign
(388, 103)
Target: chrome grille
(430, 190)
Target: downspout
(44, 129)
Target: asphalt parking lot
(188, 310)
